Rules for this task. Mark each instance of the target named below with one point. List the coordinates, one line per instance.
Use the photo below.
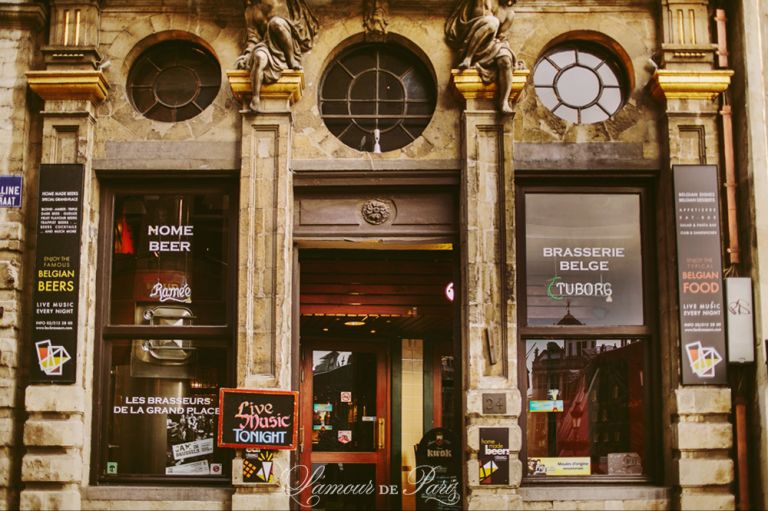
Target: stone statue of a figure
(279, 32)
(476, 29)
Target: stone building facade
(512, 276)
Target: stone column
(492, 396)
(688, 84)
(265, 264)
(21, 23)
(55, 465)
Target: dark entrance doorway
(377, 349)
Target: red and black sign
(699, 271)
(57, 274)
(258, 419)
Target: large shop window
(167, 330)
(586, 334)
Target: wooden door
(345, 424)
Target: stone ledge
(23, 16)
(69, 85)
(698, 85)
(471, 86)
(55, 398)
(288, 87)
(588, 492)
(152, 493)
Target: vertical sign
(741, 332)
(493, 456)
(57, 274)
(699, 271)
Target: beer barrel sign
(258, 419)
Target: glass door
(345, 424)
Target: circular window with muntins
(174, 81)
(377, 97)
(582, 85)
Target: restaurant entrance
(377, 349)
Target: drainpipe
(740, 377)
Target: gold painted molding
(701, 85)
(289, 86)
(471, 86)
(75, 84)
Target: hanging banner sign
(700, 279)
(10, 191)
(57, 274)
(258, 419)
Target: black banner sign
(699, 271)
(493, 456)
(438, 471)
(57, 274)
(258, 419)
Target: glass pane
(345, 475)
(610, 100)
(587, 59)
(547, 97)
(544, 74)
(390, 88)
(343, 401)
(607, 75)
(593, 114)
(583, 259)
(163, 409)
(170, 259)
(364, 87)
(564, 58)
(578, 86)
(567, 113)
(586, 407)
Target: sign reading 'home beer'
(699, 270)
(257, 419)
(57, 274)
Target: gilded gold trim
(289, 86)
(701, 85)
(471, 86)
(75, 84)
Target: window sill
(159, 493)
(605, 492)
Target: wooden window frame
(582, 183)
(208, 335)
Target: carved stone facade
(455, 189)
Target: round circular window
(579, 84)
(174, 81)
(377, 97)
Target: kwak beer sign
(699, 270)
(57, 274)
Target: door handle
(382, 434)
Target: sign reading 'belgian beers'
(699, 271)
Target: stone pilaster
(689, 86)
(21, 24)
(487, 269)
(265, 266)
(55, 465)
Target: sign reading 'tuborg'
(258, 419)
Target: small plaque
(494, 404)
(625, 463)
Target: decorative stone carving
(375, 19)
(279, 32)
(376, 212)
(476, 29)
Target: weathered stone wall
(21, 27)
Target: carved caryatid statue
(476, 30)
(279, 32)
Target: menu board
(57, 274)
(699, 270)
(258, 419)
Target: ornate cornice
(471, 86)
(288, 87)
(31, 16)
(701, 85)
(62, 85)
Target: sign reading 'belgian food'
(699, 270)
(257, 419)
(57, 274)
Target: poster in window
(57, 274)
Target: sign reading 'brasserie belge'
(699, 270)
(257, 419)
